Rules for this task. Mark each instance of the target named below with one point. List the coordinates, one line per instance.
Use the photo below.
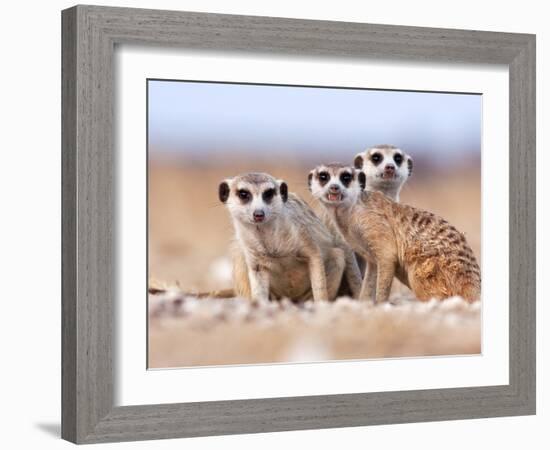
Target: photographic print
(311, 223)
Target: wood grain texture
(522, 284)
(89, 216)
(68, 226)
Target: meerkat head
(386, 168)
(253, 198)
(336, 184)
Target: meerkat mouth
(388, 175)
(334, 197)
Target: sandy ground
(186, 331)
(189, 234)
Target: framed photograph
(278, 224)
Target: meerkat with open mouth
(423, 251)
(281, 248)
(386, 167)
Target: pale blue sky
(202, 120)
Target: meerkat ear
(358, 162)
(283, 189)
(410, 165)
(362, 178)
(223, 191)
(309, 178)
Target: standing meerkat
(386, 167)
(281, 247)
(423, 251)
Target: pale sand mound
(187, 331)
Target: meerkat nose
(389, 171)
(258, 215)
(334, 188)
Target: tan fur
(375, 180)
(290, 255)
(352, 272)
(422, 250)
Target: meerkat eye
(324, 177)
(268, 195)
(346, 178)
(398, 158)
(244, 195)
(376, 158)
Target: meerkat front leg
(259, 280)
(317, 275)
(368, 287)
(384, 278)
(335, 266)
(353, 273)
(241, 278)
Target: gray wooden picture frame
(90, 34)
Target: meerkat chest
(283, 261)
(341, 223)
(361, 243)
(353, 233)
(275, 243)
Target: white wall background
(30, 222)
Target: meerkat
(423, 251)
(281, 248)
(386, 167)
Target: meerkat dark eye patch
(268, 195)
(244, 195)
(376, 158)
(346, 178)
(398, 158)
(323, 178)
(410, 166)
(283, 189)
(362, 178)
(223, 191)
(358, 162)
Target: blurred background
(200, 133)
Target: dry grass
(189, 234)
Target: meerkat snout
(334, 192)
(258, 215)
(389, 172)
(386, 167)
(253, 198)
